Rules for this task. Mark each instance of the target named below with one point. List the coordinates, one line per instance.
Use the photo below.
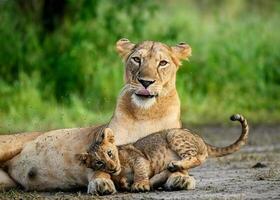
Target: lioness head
(102, 154)
(150, 69)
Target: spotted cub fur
(160, 159)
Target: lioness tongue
(143, 92)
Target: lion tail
(242, 140)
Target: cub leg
(141, 168)
(158, 180)
(6, 182)
(100, 183)
(184, 164)
(122, 182)
(186, 148)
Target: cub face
(102, 154)
(150, 69)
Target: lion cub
(155, 159)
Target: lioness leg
(100, 183)
(11, 145)
(180, 181)
(6, 182)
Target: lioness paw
(141, 186)
(101, 186)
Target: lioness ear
(182, 51)
(124, 47)
(109, 135)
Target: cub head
(102, 154)
(150, 69)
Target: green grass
(72, 76)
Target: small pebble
(259, 165)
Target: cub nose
(145, 83)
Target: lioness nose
(145, 83)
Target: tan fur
(158, 155)
(136, 121)
(49, 161)
(11, 145)
(6, 182)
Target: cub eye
(110, 154)
(99, 163)
(162, 63)
(136, 59)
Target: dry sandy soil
(230, 177)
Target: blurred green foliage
(65, 72)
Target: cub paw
(101, 186)
(124, 184)
(191, 183)
(180, 182)
(141, 186)
(173, 166)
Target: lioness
(147, 103)
(151, 161)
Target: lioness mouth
(145, 96)
(144, 93)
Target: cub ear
(124, 47)
(182, 51)
(109, 135)
(82, 157)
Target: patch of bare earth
(252, 173)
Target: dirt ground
(230, 177)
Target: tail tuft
(236, 117)
(242, 140)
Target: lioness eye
(136, 59)
(163, 63)
(110, 154)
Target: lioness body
(52, 155)
(159, 154)
(48, 161)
